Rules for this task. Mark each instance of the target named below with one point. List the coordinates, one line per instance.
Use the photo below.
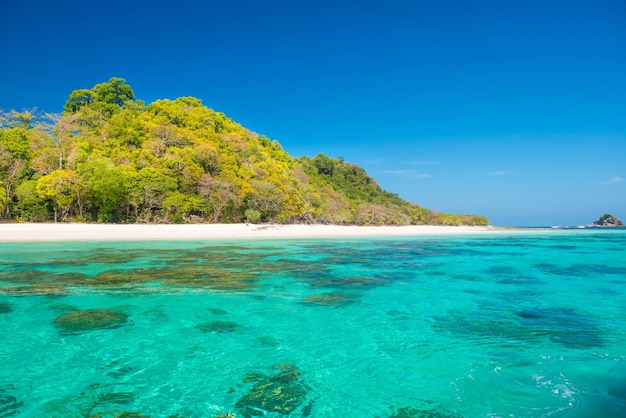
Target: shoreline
(29, 232)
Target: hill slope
(111, 158)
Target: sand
(16, 232)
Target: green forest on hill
(111, 158)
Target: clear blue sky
(515, 110)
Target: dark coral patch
(9, 405)
(280, 393)
(5, 307)
(580, 270)
(354, 282)
(218, 326)
(561, 325)
(329, 299)
(90, 319)
(217, 311)
(408, 412)
(564, 326)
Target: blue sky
(515, 110)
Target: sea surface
(516, 324)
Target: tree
(115, 92)
(267, 198)
(3, 198)
(325, 166)
(221, 198)
(17, 142)
(13, 168)
(31, 207)
(253, 216)
(63, 133)
(64, 188)
(207, 157)
(146, 191)
(106, 98)
(105, 189)
(181, 205)
(78, 99)
(23, 119)
(126, 129)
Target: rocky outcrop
(608, 221)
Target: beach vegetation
(253, 216)
(109, 157)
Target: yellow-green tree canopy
(111, 158)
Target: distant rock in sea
(608, 221)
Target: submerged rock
(41, 289)
(90, 319)
(9, 405)
(564, 326)
(329, 299)
(279, 393)
(267, 341)
(408, 412)
(5, 307)
(218, 326)
(608, 221)
(217, 311)
(561, 325)
(348, 282)
(221, 272)
(98, 400)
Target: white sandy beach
(64, 232)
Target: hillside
(112, 158)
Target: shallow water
(511, 325)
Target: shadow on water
(580, 270)
(564, 326)
(510, 275)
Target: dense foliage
(111, 158)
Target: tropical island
(608, 221)
(110, 158)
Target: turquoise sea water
(526, 324)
